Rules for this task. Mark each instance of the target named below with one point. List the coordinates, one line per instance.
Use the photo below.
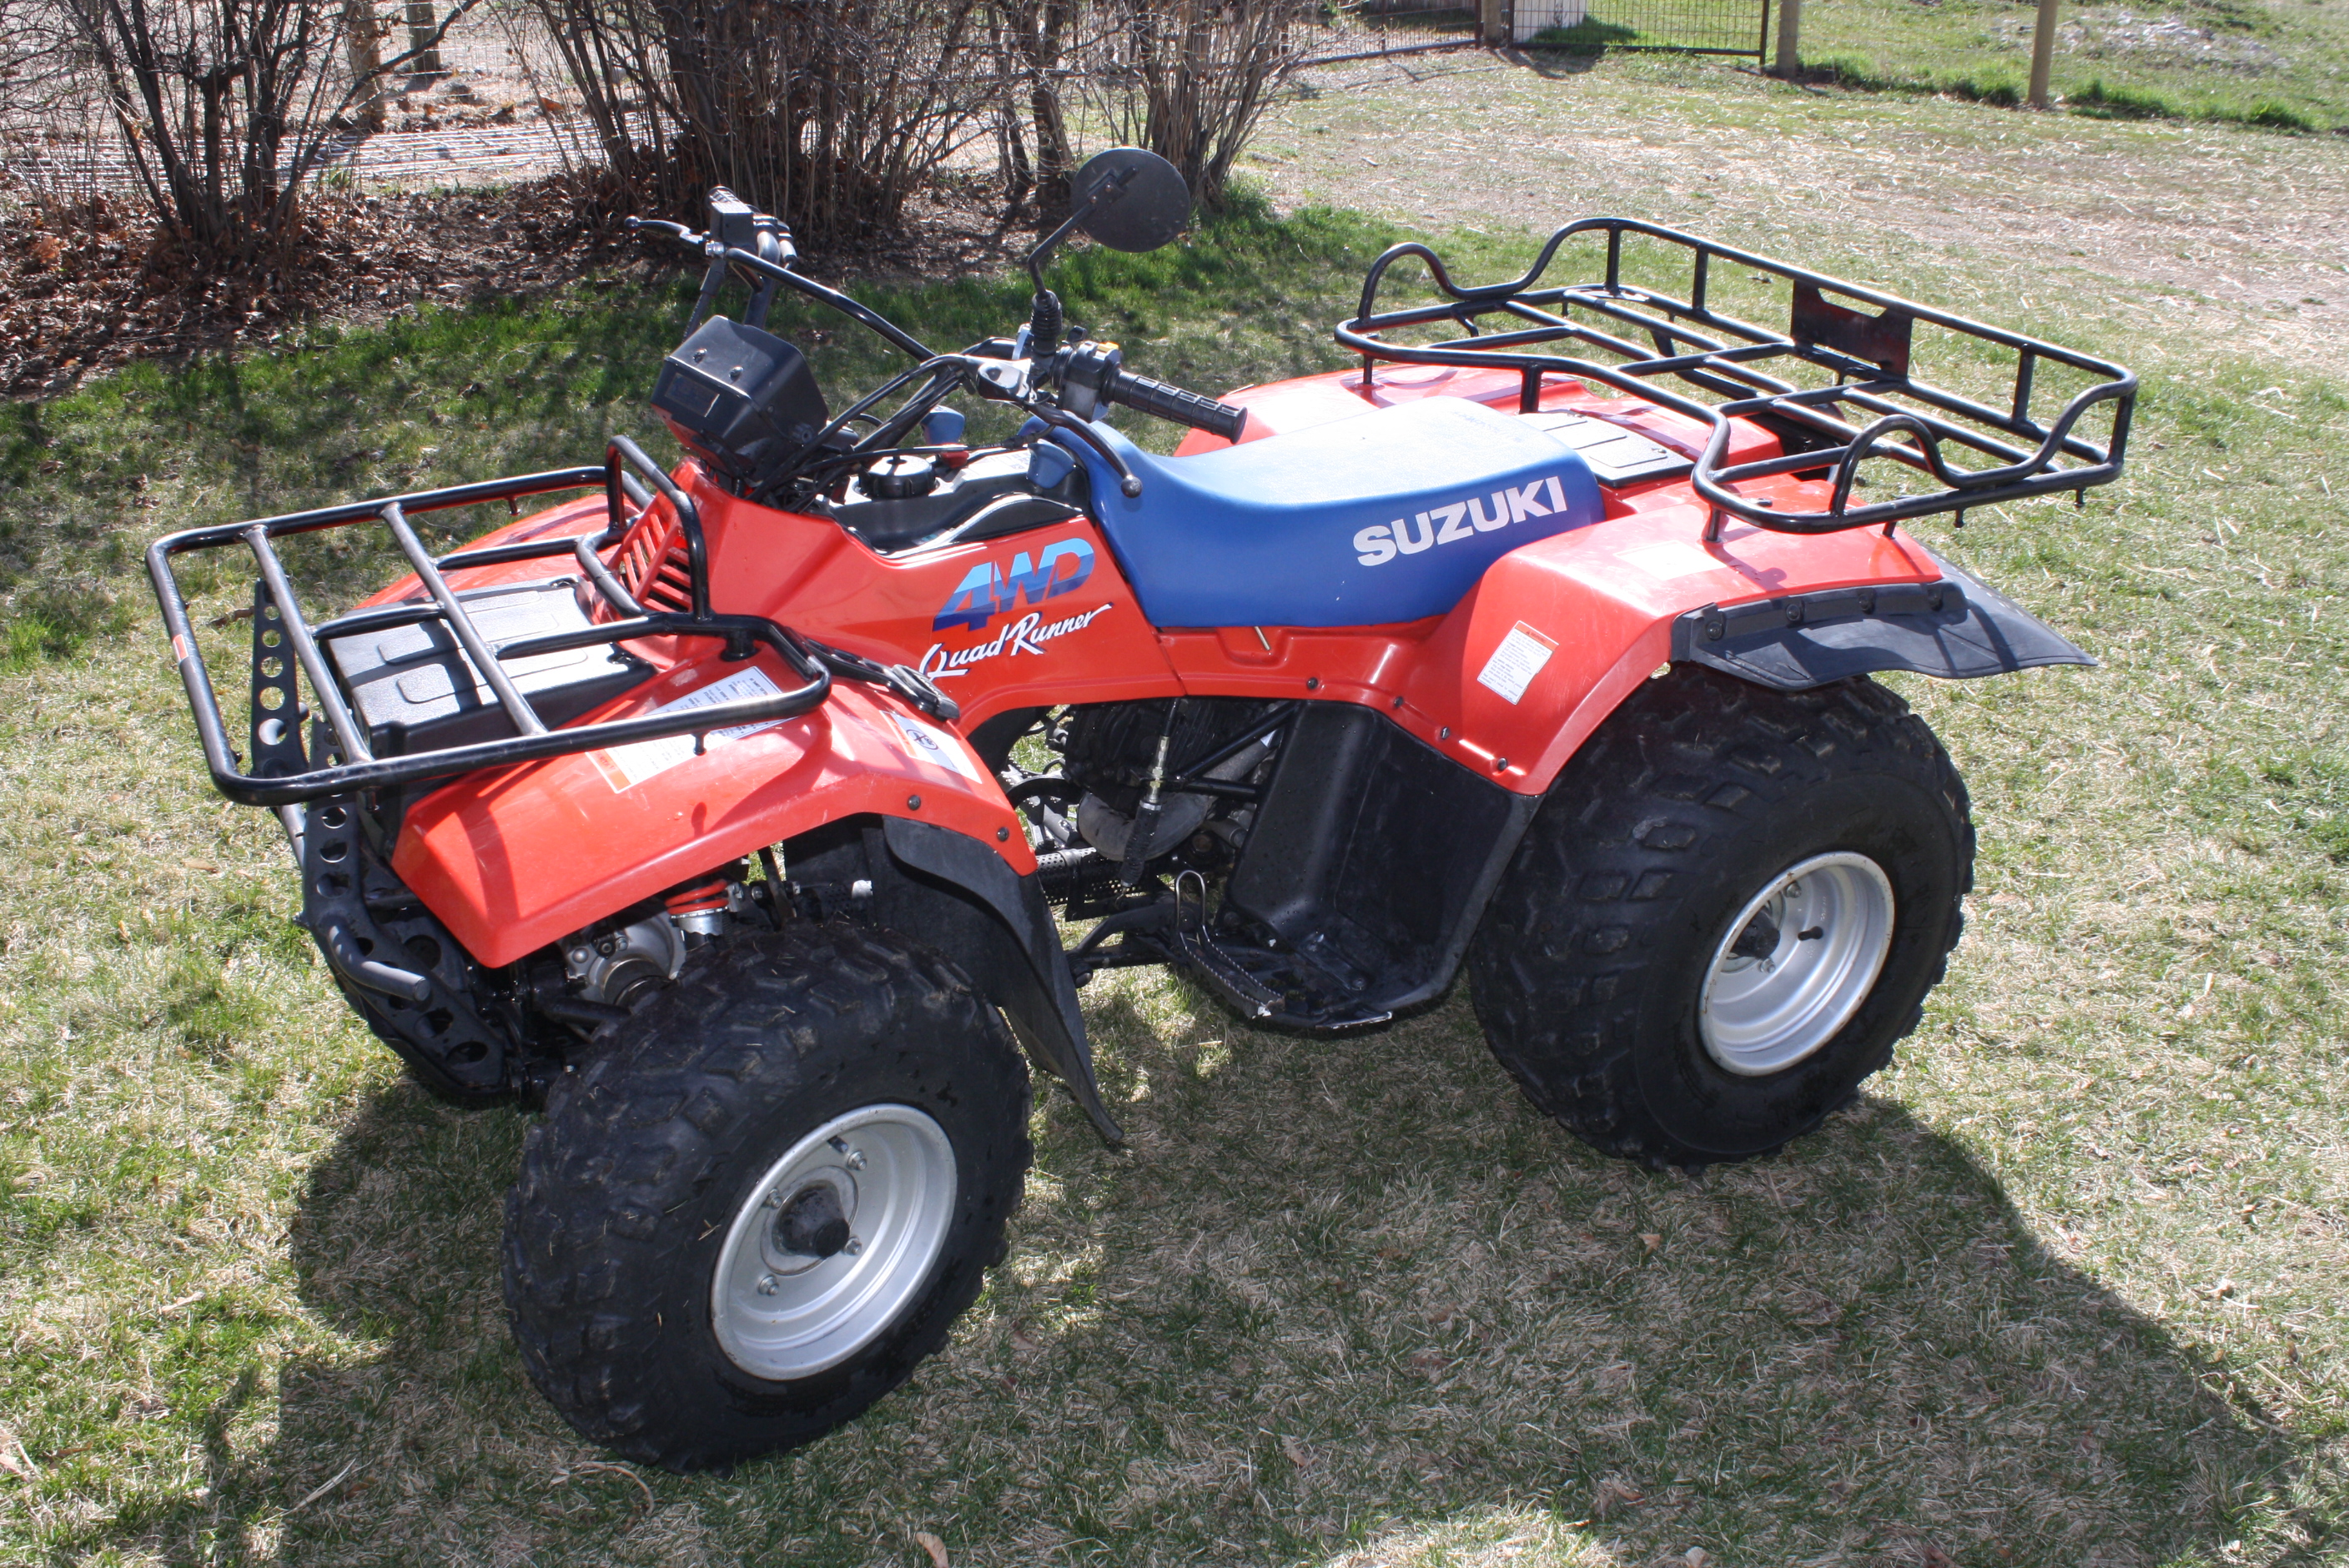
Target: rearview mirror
(1148, 206)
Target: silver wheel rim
(1797, 963)
(780, 1314)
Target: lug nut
(855, 1245)
(767, 1285)
(854, 1159)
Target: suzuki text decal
(1459, 520)
(1028, 635)
(988, 592)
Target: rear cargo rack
(338, 759)
(1873, 406)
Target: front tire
(1732, 903)
(768, 1203)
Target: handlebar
(1156, 397)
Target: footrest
(1259, 983)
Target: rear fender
(1370, 857)
(1556, 634)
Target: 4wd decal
(988, 591)
(1028, 635)
(1458, 521)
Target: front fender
(512, 861)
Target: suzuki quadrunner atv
(739, 809)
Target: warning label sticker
(1516, 663)
(626, 767)
(1669, 558)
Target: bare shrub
(1033, 40)
(829, 112)
(1189, 79)
(225, 107)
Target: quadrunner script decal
(1028, 635)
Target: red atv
(740, 809)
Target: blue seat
(1387, 517)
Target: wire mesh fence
(1376, 27)
(1696, 27)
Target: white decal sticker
(626, 767)
(1516, 663)
(933, 746)
(1026, 635)
(1671, 558)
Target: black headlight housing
(742, 400)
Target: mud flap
(1956, 629)
(954, 894)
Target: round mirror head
(1150, 207)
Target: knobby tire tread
(1682, 759)
(634, 1135)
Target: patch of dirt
(87, 289)
(2148, 41)
(2226, 234)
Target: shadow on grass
(1343, 1296)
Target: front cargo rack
(339, 758)
(1862, 401)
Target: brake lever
(1128, 483)
(676, 231)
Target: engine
(1110, 751)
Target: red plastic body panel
(1604, 597)
(513, 859)
(1086, 640)
(1285, 405)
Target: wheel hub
(833, 1242)
(1797, 963)
(813, 1224)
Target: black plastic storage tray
(416, 691)
(1838, 383)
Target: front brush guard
(402, 971)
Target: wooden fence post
(363, 45)
(420, 22)
(2043, 52)
(1789, 60)
(1492, 23)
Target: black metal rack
(1872, 407)
(285, 772)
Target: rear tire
(1732, 903)
(670, 1297)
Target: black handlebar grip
(1172, 403)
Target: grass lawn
(2282, 63)
(2066, 1287)
(2278, 63)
